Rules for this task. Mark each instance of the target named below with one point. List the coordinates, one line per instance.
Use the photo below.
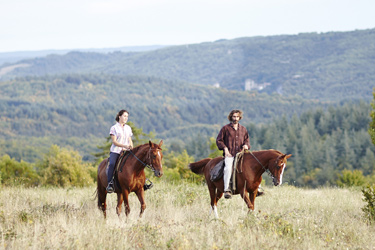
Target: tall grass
(178, 217)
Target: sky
(32, 25)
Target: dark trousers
(112, 162)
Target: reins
(265, 169)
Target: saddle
(118, 169)
(217, 172)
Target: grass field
(178, 217)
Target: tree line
(329, 147)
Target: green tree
(371, 129)
(64, 168)
(13, 172)
(214, 151)
(178, 167)
(351, 179)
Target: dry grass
(177, 217)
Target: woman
(121, 134)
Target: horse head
(277, 168)
(155, 157)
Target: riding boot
(110, 187)
(227, 174)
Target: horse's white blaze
(160, 158)
(282, 172)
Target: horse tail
(98, 187)
(198, 167)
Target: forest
(316, 105)
(329, 148)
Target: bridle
(149, 159)
(265, 169)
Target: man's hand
(245, 147)
(226, 152)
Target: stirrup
(148, 186)
(110, 188)
(227, 194)
(260, 191)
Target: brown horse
(131, 176)
(248, 175)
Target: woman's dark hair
(233, 112)
(120, 113)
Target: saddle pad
(218, 171)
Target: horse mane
(137, 148)
(261, 152)
(273, 151)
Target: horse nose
(158, 173)
(276, 182)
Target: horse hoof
(260, 193)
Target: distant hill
(332, 67)
(13, 57)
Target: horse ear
(160, 143)
(288, 156)
(150, 143)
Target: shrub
(64, 168)
(369, 198)
(351, 179)
(13, 172)
(178, 167)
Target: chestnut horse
(248, 175)
(130, 176)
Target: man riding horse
(232, 139)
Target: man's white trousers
(227, 172)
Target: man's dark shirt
(233, 139)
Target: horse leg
(141, 198)
(102, 197)
(120, 200)
(252, 195)
(249, 202)
(214, 200)
(125, 196)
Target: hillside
(332, 67)
(86, 105)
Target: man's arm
(220, 140)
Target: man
(232, 138)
